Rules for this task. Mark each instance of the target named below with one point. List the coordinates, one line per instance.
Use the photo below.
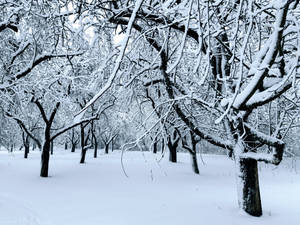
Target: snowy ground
(98, 193)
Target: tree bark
(45, 159)
(194, 153)
(83, 153)
(173, 151)
(162, 145)
(51, 148)
(155, 146)
(66, 145)
(83, 150)
(106, 148)
(26, 151)
(248, 186)
(95, 148)
(195, 163)
(73, 147)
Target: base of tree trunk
(45, 164)
(106, 149)
(173, 155)
(195, 164)
(248, 186)
(83, 153)
(26, 151)
(95, 151)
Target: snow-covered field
(98, 192)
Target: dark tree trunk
(12, 147)
(194, 153)
(26, 151)
(95, 148)
(112, 145)
(26, 145)
(249, 199)
(51, 148)
(173, 151)
(162, 145)
(83, 153)
(66, 145)
(173, 154)
(73, 147)
(45, 159)
(155, 146)
(83, 150)
(106, 148)
(172, 146)
(195, 163)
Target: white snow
(98, 193)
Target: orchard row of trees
(155, 74)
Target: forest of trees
(153, 75)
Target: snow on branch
(76, 123)
(268, 95)
(118, 62)
(264, 60)
(24, 128)
(40, 59)
(277, 147)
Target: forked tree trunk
(248, 186)
(172, 146)
(172, 151)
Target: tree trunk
(26, 144)
(106, 148)
(83, 153)
(194, 154)
(51, 148)
(12, 147)
(95, 148)
(195, 163)
(83, 150)
(172, 149)
(155, 146)
(45, 159)
(248, 186)
(73, 147)
(162, 146)
(66, 145)
(26, 151)
(173, 152)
